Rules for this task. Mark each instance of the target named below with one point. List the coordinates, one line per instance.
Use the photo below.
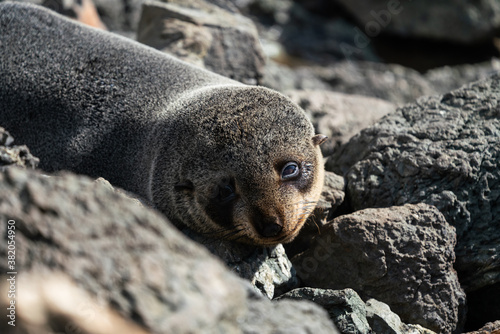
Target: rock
(383, 320)
(345, 307)
(466, 21)
(398, 84)
(448, 78)
(489, 328)
(105, 183)
(274, 274)
(393, 83)
(293, 317)
(352, 316)
(267, 268)
(444, 151)
(390, 82)
(53, 300)
(14, 155)
(339, 116)
(332, 196)
(133, 260)
(277, 12)
(207, 36)
(282, 78)
(322, 40)
(402, 256)
(331, 199)
(228, 5)
(115, 249)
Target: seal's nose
(271, 230)
(267, 226)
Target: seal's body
(225, 159)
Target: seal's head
(246, 165)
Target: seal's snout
(271, 230)
(268, 226)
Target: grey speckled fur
(95, 103)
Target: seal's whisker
(223, 233)
(232, 233)
(238, 237)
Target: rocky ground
(406, 237)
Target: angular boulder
(267, 268)
(205, 35)
(444, 151)
(467, 21)
(14, 155)
(345, 307)
(353, 316)
(339, 116)
(402, 256)
(132, 260)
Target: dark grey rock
(263, 318)
(444, 151)
(205, 35)
(14, 155)
(402, 256)
(339, 116)
(282, 78)
(466, 21)
(345, 307)
(322, 40)
(352, 316)
(332, 196)
(394, 83)
(114, 249)
(229, 5)
(331, 199)
(448, 78)
(390, 82)
(278, 12)
(267, 268)
(134, 260)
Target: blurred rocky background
(406, 237)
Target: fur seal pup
(225, 159)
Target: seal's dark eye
(226, 193)
(290, 171)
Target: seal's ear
(184, 185)
(319, 139)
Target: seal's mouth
(283, 239)
(286, 239)
(276, 228)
